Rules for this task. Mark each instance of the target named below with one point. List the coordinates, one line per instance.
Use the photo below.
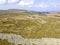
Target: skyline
(33, 5)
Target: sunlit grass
(31, 28)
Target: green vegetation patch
(5, 42)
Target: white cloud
(26, 2)
(2, 1)
(12, 1)
(42, 5)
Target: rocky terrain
(18, 39)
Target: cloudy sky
(35, 5)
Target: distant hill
(16, 11)
(19, 11)
(57, 14)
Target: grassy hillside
(30, 26)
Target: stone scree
(17, 39)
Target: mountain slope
(30, 25)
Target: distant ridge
(25, 11)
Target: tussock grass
(5, 42)
(31, 28)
